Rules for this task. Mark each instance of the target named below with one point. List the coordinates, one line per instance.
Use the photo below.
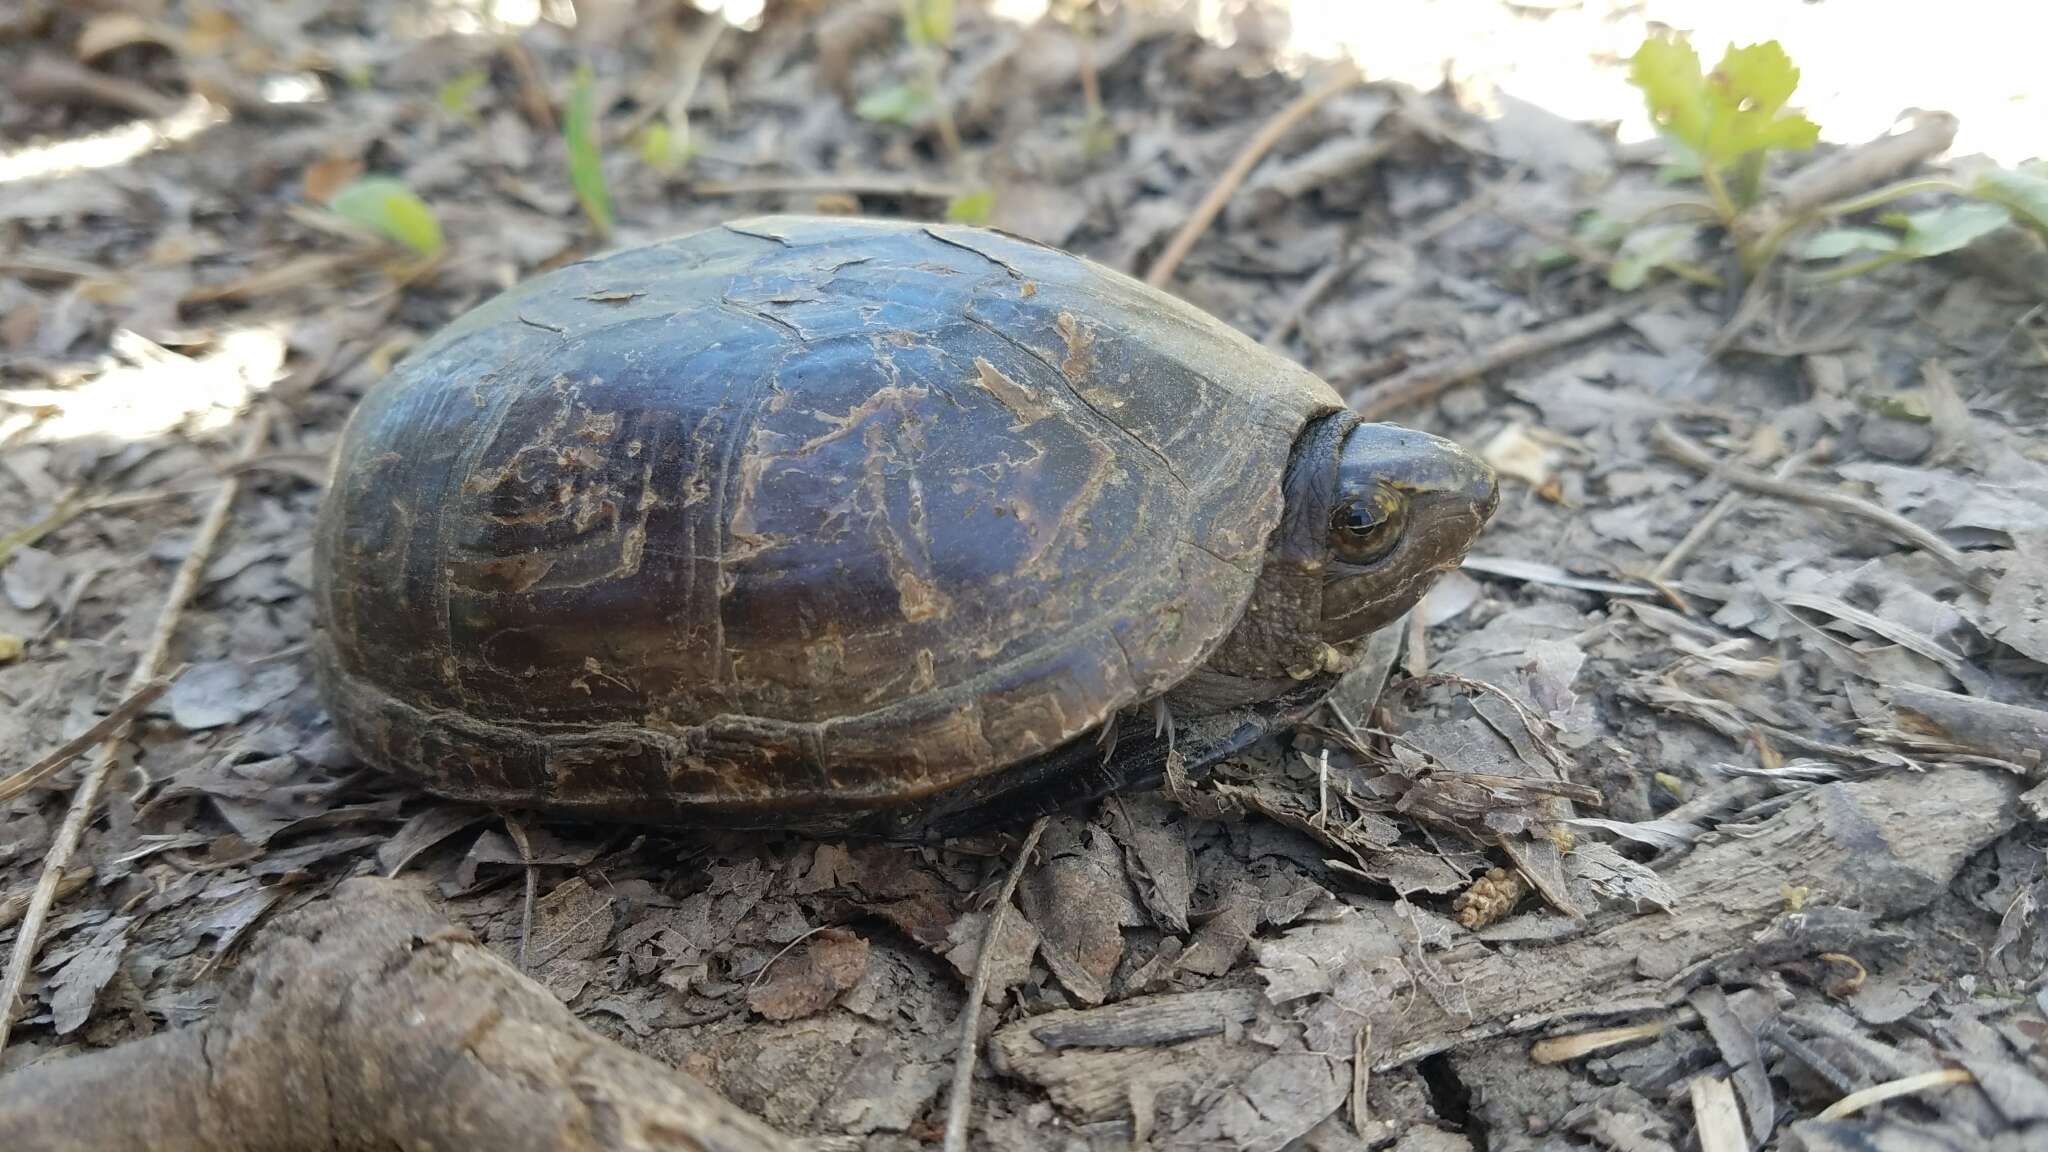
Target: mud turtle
(811, 522)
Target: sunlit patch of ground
(1860, 59)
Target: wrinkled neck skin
(1277, 645)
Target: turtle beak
(1450, 495)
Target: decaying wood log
(369, 1022)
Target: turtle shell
(796, 514)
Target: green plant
(1723, 126)
(458, 96)
(928, 29)
(586, 161)
(387, 207)
(975, 207)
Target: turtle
(838, 524)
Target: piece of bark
(2005, 731)
(368, 1022)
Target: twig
(1856, 1102)
(1219, 194)
(1361, 1080)
(13, 906)
(1678, 445)
(533, 90)
(517, 831)
(49, 266)
(83, 802)
(977, 991)
(1726, 504)
(1419, 383)
(68, 506)
(1324, 279)
(1851, 171)
(55, 79)
(675, 107)
(79, 745)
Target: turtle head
(1407, 507)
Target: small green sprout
(1723, 126)
(387, 207)
(586, 163)
(976, 207)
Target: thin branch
(1419, 383)
(13, 906)
(108, 727)
(86, 799)
(1855, 1102)
(532, 871)
(1219, 194)
(1312, 291)
(1706, 524)
(977, 991)
(1674, 442)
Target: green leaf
(1600, 229)
(1648, 249)
(905, 104)
(928, 23)
(1668, 72)
(392, 210)
(2024, 191)
(1736, 111)
(1947, 228)
(976, 207)
(1747, 94)
(661, 150)
(458, 96)
(1836, 243)
(586, 164)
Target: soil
(1622, 833)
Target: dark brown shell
(792, 515)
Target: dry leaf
(811, 977)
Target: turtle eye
(1365, 528)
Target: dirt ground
(1765, 835)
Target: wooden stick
(86, 799)
(1851, 171)
(977, 991)
(108, 727)
(1706, 524)
(12, 908)
(1414, 385)
(1855, 1102)
(1219, 194)
(1312, 291)
(1678, 445)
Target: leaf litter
(1573, 731)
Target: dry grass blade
(77, 746)
(86, 799)
(970, 1016)
(1241, 166)
(1678, 445)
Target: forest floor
(1762, 769)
